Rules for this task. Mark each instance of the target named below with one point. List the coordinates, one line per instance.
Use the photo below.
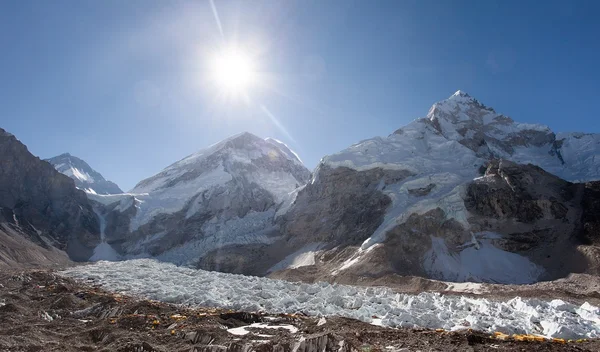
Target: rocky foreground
(41, 311)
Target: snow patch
(480, 262)
(305, 256)
(465, 287)
(78, 174)
(243, 330)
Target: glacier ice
(166, 282)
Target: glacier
(166, 282)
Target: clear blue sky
(118, 83)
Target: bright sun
(233, 71)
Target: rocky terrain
(84, 176)
(42, 311)
(44, 219)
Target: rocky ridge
(44, 219)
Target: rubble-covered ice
(169, 283)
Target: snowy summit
(84, 176)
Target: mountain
(44, 218)
(225, 194)
(84, 176)
(464, 193)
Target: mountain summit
(491, 135)
(84, 176)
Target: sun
(233, 71)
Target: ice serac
(84, 176)
(226, 194)
(461, 189)
(44, 218)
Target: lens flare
(233, 71)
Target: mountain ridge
(44, 218)
(441, 197)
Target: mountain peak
(3, 132)
(83, 174)
(242, 148)
(460, 93)
(221, 177)
(461, 96)
(244, 134)
(459, 105)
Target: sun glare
(233, 71)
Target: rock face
(84, 176)
(591, 213)
(223, 195)
(42, 211)
(21, 246)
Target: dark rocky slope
(41, 207)
(551, 222)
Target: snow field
(166, 282)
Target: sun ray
(277, 123)
(216, 14)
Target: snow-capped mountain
(433, 200)
(225, 194)
(461, 127)
(449, 196)
(84, 176)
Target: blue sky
(121, 83)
